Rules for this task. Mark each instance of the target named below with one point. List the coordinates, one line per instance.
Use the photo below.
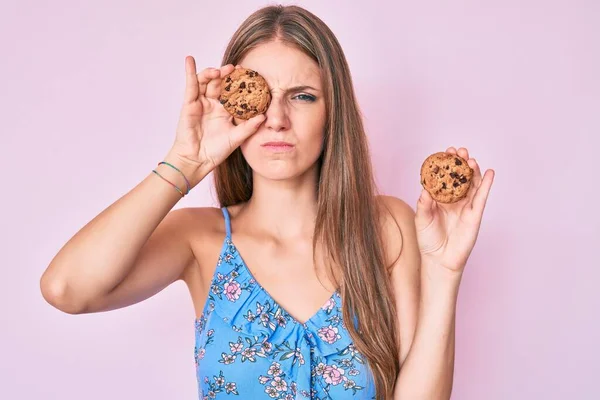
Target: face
(296, 114)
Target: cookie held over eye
(244, 93)
(447, 177)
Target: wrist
(193, 171)
(440, 276)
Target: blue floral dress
(248, 345)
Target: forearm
(427, 372)
(98, 257)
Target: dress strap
(227, 221)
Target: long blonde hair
(348, 219)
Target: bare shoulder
(397, 222)
(205, 232)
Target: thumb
(424, 207)
(245, 129)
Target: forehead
(283, 66)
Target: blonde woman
(306, 283)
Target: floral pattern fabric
(247, 345)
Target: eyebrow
(300, 89)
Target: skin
(267, 234)
(94, 272)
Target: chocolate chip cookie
(244, 93)
(447, 177)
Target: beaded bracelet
(182, 174)
(169, 182)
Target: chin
(279, 171)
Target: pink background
(89, 100)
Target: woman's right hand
(206, 135)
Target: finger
(476, 178)
(245, 129)
(213, 89)
(424, 207)
(483, 191)
(463, 152)
(451, 150)
(227, 69)
(191, 80)
(204, 77)
(476, 171)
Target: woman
(340, 292)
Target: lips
(279, 147)
(277, 144)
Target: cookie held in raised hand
(447, 177)
(244, 93)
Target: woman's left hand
(447, 232)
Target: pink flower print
(267, 346)
(248, 354)
(231, 387)
(329, 334)
(320, 369)
(329, 305)
(271, 391)
(263, 379)
(349, 384)
(274, 369)
(279, 384)
(299, 357)
(219, 380)
(236, 347)
(232, 290)
(227, 359)
(333, 375)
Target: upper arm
(161, 261)
(400, 237)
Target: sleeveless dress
(247, 345)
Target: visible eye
(305, 97)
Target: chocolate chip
(228, 87)
(455, 184)
(457, 161)
(223, 101)
(453, 175)
(436, 169)
(443, 185)
(244, 106)
(239, 112)
(228, 79)
(243, 85)
(447, 167)
(463, 180)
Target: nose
(277, 117)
